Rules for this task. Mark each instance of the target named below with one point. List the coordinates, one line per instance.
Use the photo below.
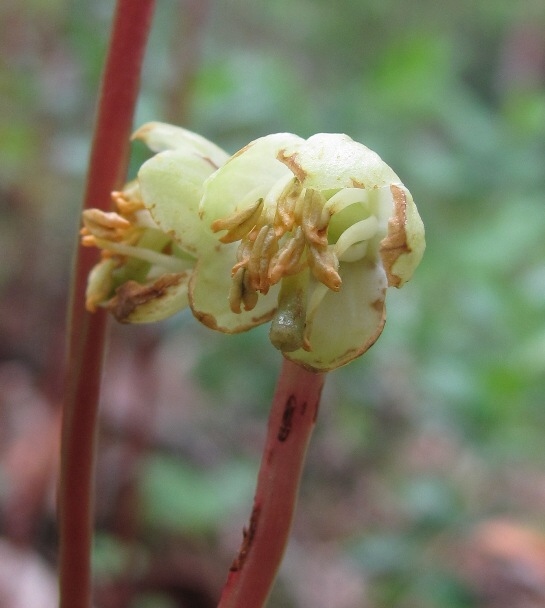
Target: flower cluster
(305, 233)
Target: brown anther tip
(142, 131)
(336, 285)
(217, 225)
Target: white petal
(99, 284)
(209, 292)
(160, 136)
(348, 322)
(171, 184)
(159, 300)
(403, 247)
(251, 171)
(330, 161)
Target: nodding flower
(144, 271)
(308, 233)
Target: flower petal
(160, 136)
(348, 322)
(209, 290)
(99, 284)
(330, 161)
(136, 303)
(246, 177)
(171, 184)
(402, 249)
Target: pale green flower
(163, 185)
(145, 271)
(323, 226)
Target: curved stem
(86, 332)
(293, 414)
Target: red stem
(293, 414)
(86, 332)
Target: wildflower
(323, 227)
(144, 272)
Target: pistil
(287, 332)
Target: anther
(235, 292)
(288, 259)
(324, 266)
(285, 212)
(239, 224)
(314, 232)
(264, 248)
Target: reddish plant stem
(86, 332)
(291, 421)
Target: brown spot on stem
(395, 243)
(287, 418)
(248, 535)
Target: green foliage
(445, 94)
(181, 498)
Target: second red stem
(86, 332)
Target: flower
(144, 272)
(323, 227)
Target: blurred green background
(425, 483)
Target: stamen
(235, 291)
(357, 233)
(314, 232)
(241, 292)
(87, 240)
(239, 224)
(106, 225)
(324, 265)
(288, 259)
(305, 213)
(264, 248)
(285, 217)
(342, 199)
(249, 295)
(169, 263)
(243, 255)
(125, 203)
